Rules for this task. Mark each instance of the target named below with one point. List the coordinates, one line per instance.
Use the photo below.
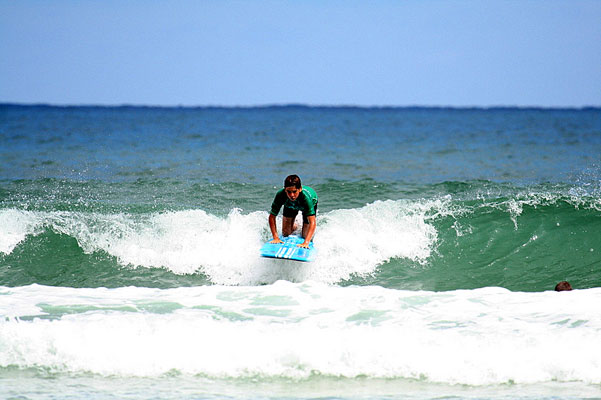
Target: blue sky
(369, 53)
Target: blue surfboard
(289, 249)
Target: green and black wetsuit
(306, 202)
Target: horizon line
(293, 105)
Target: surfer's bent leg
(288, 225)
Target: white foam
(185, 241)
(350, 242)
(15, 225)
(478, 337)
(358, 240)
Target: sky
(315, 52)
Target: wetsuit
(306, 202)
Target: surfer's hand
(276, 241)
(303, 245)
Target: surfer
(294, 197)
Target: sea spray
(351, 242)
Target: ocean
(129, 264)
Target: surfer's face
(292, 192)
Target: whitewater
(295, 331)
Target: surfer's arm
(274, 229)
(310, 232)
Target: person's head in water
(563, 285)
(292, 186)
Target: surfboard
(289, 249)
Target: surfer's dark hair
(292, 180)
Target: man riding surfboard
(294, 197)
